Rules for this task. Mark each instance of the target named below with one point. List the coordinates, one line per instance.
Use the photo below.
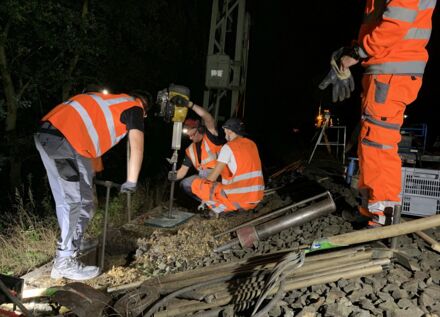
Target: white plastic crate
(420, 191)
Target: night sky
(290, 56)
(290, 47)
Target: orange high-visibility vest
(394, 35)
(246, 185)
(91, 122)
(209, 154)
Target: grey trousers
(70, 177)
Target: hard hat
(235, 125)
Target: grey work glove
(342, 82)
(179, 101)
(128, 187)
(172, 176)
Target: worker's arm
(181, 172)
(216, 171)
(207, 118)
(136, 139)
(397, 19)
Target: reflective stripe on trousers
(384, 100)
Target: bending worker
(70, 137)
(203, 151)
(242, 184)
(391, 47)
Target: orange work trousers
(384, 100)
(213, 195)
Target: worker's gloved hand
(342, 81)
(179, 101)
(172, 176)
(341, 88)
(128, 187)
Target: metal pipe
(250, 234)
(273, 214)
(298, 218)
(396, 220)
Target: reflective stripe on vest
(418, 34)
(242, 177)
(211, 156)
(402, 14)
(93, 134)
(104, 105)
(192, 155)
(427, 4)
(408, 68)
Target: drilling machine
(175, 113)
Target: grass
(28, 241)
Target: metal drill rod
(173, 169)
(273, 214)
(108, 185)
(396, 220)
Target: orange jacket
(91, 122)
(394, 35)
(209, 153)
(246, 185)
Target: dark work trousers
(70, 177)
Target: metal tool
(396, 220)
(82, 299)
(248, 235)
(108, 185)
(177, 114)
(274, 214)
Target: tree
(41, 45)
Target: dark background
(150, 44)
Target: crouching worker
(203, 151)
(239, 165)
(70, 138)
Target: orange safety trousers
(215, 198)
(384, 100)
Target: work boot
(71, 268)
(209, 214)
(355, 216)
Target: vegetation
(50, 50)
(28, 241)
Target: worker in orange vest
(392, 48)
(71, 136)
(239, 165)
(203, 151)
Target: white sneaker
(70, 268)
